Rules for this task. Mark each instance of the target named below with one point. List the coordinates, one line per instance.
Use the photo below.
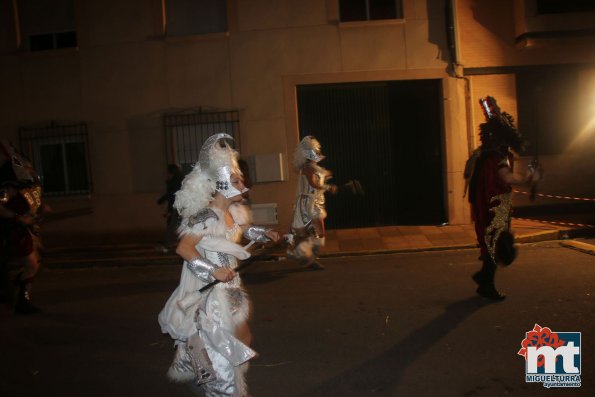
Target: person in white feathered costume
(307, 227)
(210, 328)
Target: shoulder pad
(202, 216)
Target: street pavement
(141, 250)
(401, 324)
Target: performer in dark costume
(489, 175)
(173, 183)
(20, 201)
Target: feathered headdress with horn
(211, 174)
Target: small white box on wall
(264, 214)
(267, 168)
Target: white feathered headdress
(216, 162)
(308, 149)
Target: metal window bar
(186, 132)
(60, 155)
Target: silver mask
(311, 148)
(223, 183)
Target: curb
(579, 246)
(396, 251)
(542, 236)
(110, 262)
(168, 259)
(523, 239)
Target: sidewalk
(364, 241)
(424, 238)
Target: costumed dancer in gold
(20, 204)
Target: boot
(306, 251)
(317, 244)
(302, 252)
(23, 303)
(485, 281)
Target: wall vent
(265, 214)
(267, 168)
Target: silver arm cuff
(257, 233)
(202, 268)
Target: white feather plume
(198, 187)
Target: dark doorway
(551, 108)
(388, 135)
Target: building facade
(102, 95)
(536, 58)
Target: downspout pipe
(456, 69)
(451, 33)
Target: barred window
(368, 10)
(185, 132)
(60, 156)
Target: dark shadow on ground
(104, 291)
(256, 276)
(370, 378)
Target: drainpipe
(17, 23)
(456, 69)
(451, 34)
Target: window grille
(186, 132)
(60, 156)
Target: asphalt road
(386, 325)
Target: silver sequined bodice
(221, 259)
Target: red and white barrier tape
(569, 224)
(556, 197)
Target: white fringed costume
(310, 201)
(203, 324)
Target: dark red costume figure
(20, 201)
(489, 175)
